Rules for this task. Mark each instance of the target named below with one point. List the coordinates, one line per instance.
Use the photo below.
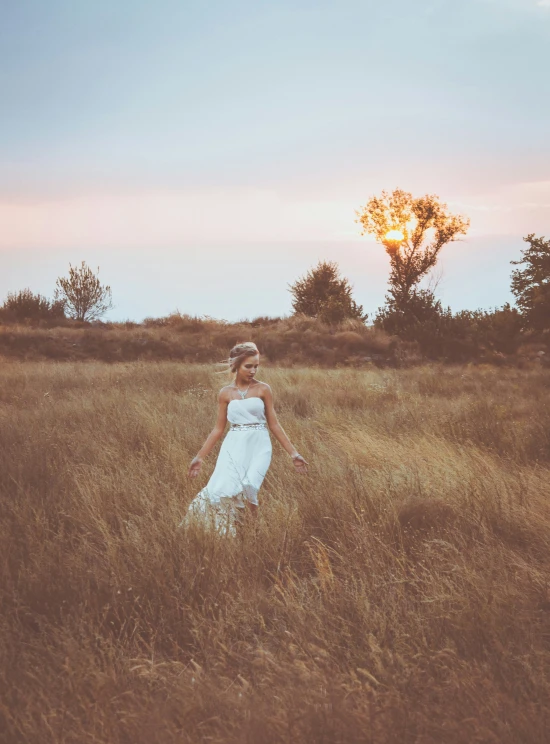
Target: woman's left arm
(279, 433)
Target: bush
(531, 283)
(325, 295)
(82, 294)
(406, 318)
(468, 334)
(26, 306)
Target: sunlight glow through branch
(395, 236)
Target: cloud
(512, 209)
(526, 5)
(226, 216)
(170, 217)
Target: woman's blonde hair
(239, 353)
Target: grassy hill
(179, 337)
(298, 340)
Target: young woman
(245, 454)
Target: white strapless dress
(243, 461)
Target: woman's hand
(194, 468)
(300, 465)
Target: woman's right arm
(212, 438)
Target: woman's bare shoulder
(262, 388)
(225, 393)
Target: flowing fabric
(243, 461)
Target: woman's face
(249, 367)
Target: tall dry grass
(398, 593)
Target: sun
(394, 236)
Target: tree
(25, 305)
(413, 232)
(322, 293)
(531, 284)
(83, 295)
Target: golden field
(400, 592)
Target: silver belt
(247, 427)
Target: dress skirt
(243, 461)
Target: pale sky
(205, 154)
